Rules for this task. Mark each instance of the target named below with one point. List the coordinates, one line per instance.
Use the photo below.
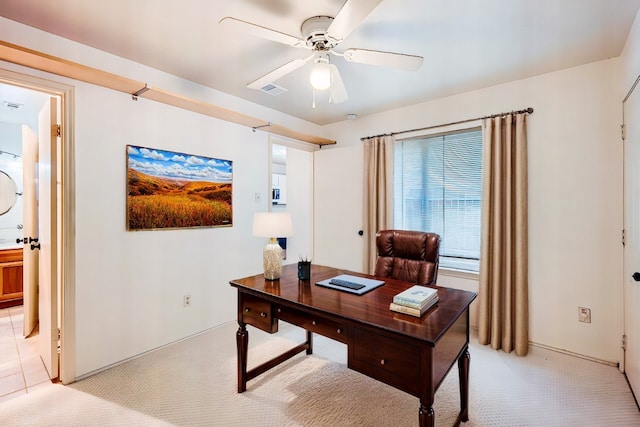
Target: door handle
(636, 276)
(27, 240)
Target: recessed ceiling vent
(273, 90)
(11, 105)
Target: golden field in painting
(165, 203)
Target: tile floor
(21, 369)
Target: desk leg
(242, 342)
(463, 375)
(426, 416)
(310, 342)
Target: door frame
(625, 308)
(294, 251)
(67, 286)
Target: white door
(47, 235)
(631, 119)
(30, 228)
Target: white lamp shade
(272, 224)
(320, 76)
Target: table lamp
(272, 225)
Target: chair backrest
(411, 256)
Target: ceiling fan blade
(386, 59)
(260, 31)
(277, 73)
(337, 91)
(350, 16)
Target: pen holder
(304, 270)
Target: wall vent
(10, 105)
(273, 90)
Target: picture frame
(169, 189)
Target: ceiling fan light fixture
(320, 76)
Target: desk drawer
(393, 362)
(257, 312)
(313, 323)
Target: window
(438, 188)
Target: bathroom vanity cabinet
(10, 277)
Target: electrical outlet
(257, 197)
(186, 301)
(584, 314)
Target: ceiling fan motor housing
(314, 32)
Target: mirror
(8, 193)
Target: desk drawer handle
(383, 362)
(246, 310)
(339, 330)
(314, 323)
(263, 314)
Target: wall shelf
(51, 64)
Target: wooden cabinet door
(11, 278)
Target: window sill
(461, 274)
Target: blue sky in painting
(172, 165)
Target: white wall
(575, 195)
(338, 207)
(299, 193)
(630, 59)
(130, 285)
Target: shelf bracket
(261, 126)
(135, 95)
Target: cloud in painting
(179, 166)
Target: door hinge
(623, 132)
(624, 342)
(624, 236)
(58, 334)
(58, 131)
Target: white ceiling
(466, 44)
(19, 105)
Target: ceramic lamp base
(272, 260)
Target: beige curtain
(503, 289)
(378, 198)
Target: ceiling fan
(321, 35)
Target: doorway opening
(39, 112)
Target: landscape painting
(168, 190)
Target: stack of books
(414, 301)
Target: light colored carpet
(193, 383)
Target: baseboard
(104, 368)
(11, 303)
(474, 333)
(570, 353)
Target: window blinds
(438, 188)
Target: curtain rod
(528, 110)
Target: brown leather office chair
(408, 255)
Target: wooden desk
(409, 353)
